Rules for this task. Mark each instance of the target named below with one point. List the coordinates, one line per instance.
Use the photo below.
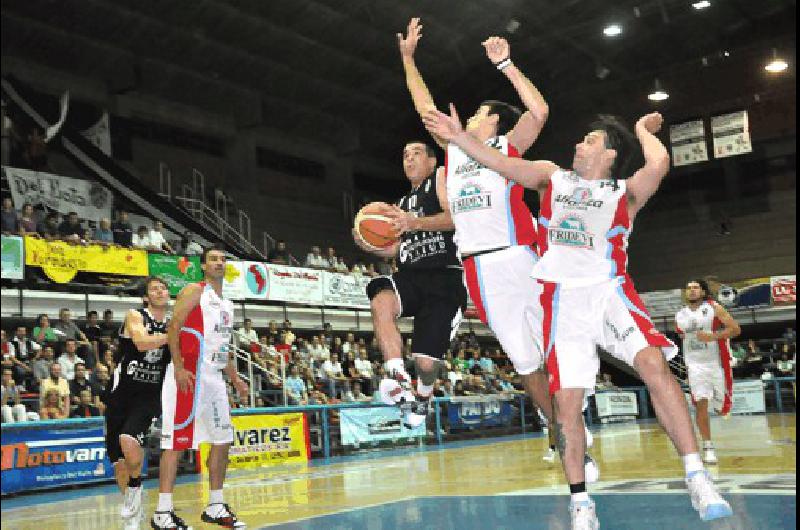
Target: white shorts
(579, 319)
(189, 418)
(508, 301)
(707, 381)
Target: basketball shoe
(168, 521)
(705, 497)
(583, 516)
(132, 504)
(221, 514)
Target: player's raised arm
(530, 124)
(134, 328)
(188, 299)
(644, 183)
(530, 174)
(423, 101)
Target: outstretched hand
(440, 124)
(651, 122)
(497, 49)
(408, 44)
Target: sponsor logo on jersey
(621, 337)
(570, 231)
(153, 356)
(144, 373)
(471, 197)
(580, 199)
(422, 245)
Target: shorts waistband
(483, 252)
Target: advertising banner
(90, 200)
(255, 280)
(233, 282)
(13, 263)
(177, 271)
(373, 424)
(783, 288)
(616, 404)
(744, 293)
(479, 411)
(688, 142)
(731, 134)
(294, 284)
(748, 397)
(47, 456)
(61, 261)
(345, 290)
(261, 440)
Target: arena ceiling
(330, 68)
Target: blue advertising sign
(483, 411)
(372, 424)
(50, 454)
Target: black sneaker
(168, 520)
(224, 517)
(414, 413)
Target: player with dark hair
(195, 398)
(706, 327)
(134, 398)
(589, 300)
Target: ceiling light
(612, 30)
(777, 64)
(701, 5)
(658, 94)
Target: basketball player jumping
(495, 231)
(705, 327)
(134, 398)
(427, 285)
(194, 397)
(589, 300)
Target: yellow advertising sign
(61, 261)
(261, 440)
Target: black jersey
(426, 249)
(140, 374)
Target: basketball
(373, 227)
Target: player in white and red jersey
(195, 406)
(589, 300)
(706, 327)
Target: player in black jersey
(427, 286)
(135, 395)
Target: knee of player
(650, 361)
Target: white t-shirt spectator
(246, 337)
(156, 239)
(193, 249)
(141, 241)
(68, 366)
(319, 352)
(341, 266)
(359, 270)
(331, 368)
(316, 261)
(364, 367)
(454, 376)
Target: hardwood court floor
(498, 484)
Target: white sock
(708, 444)
(423, 390)
(164, 502)
(396, 365)
(580, 497)
(692, 463)
(215, 497)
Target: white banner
(346, 290)
(688, 142)
(100, 134)
(748, 397)
(731, 134)
(294, 284)
(616, 404)
(90, 200)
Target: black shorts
(436, 298)
(133, 419)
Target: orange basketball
(375, 228)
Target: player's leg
(114, 419)
(131, 438)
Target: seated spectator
(13, 409)
(280, 254)
(349, 365)
(785, 365)
(103, 233)
(447, 388)
(189, 246)
(355, 394)
(460, 363)
(141, 239)
(71, 229)
(359, 269)
(370, 271)
(331, 259)
(332, 372)
(27, 220)
(24, 348)
(315, 259)
(85, 407)
(605, 383)
(58, 383)
(363, 369)
(102, 383)
(109, 359)
(69, 359)
(107, 327)
(341, 266)
(9, 219)
(43, 333)
(123, 230)
(458, 389)
(246, 336)
(49, 227)
(42, 363)
(53, 408)
(80, 383)
(92, 329)
(296, 388)
(69, 330)
(157, 240)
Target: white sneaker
(591, 472)
(705, 497)
(582, 515)
(709, 456)
(395, 389)
(550, 455)
(132, 503)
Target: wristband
(505, 63)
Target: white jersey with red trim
(583, 230)
(488, 209)
(690, 321)
(207, 330)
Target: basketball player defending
(705, 327)
(134, 398)
(427, 286)
(194, 397)
(589, 300)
